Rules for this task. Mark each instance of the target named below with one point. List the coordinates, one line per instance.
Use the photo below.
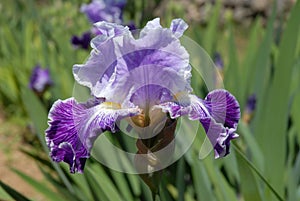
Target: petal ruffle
(113, 64)
(62, 135)
(178, 26)
(102, 61)
(219, 136)
(73, 128)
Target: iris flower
(40, 79)
(145, 81)
(104, 10)
(82, 41)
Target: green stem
(252, 166)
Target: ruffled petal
(219, 130)
(153, 24)
(62, 135)
(223, 107)
(185, 104)
(106, 31)
(219, 136)
(73, 128)
(102, 61)
(178, 26)
(161, 61)
(122, 64)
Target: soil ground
(11, 157)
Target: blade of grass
(13, 193)
(232, 72)
(210, 35)
(249, 186)
(250, 164)
(39, 186)
(104, 182)
(201, 181)
(180, 183)
(97, 191)
(38, 115)
(249, 60)
(274, 119)
(259, 75)
(122, 185)
(255, 150)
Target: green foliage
(266, 160)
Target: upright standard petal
(102, 61)
(123, 64)
(73, 128)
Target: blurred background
(255, 45)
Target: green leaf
(270, 187)
(274, 119)
(38, 115)
(212, 29)
(13, 193)
(248, 64)
(41, 187)
(249, 185)
(202, 183)
(122, 185)
(259, 75)
(180, 183)
(104, 182)
(252, 145)
(232, 72)
(97, 191)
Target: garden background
(256, 49)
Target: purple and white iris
(104, 10)
(144, 81)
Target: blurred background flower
(82, 41)
(40, 79)
(104, 10)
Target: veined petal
(178, 26)
(219, 132)
(62, 135)
(106, 31)
(219, 136)
(73, 128)
(102, 61)
(185, 104)
(223, 107)
(115, 63)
